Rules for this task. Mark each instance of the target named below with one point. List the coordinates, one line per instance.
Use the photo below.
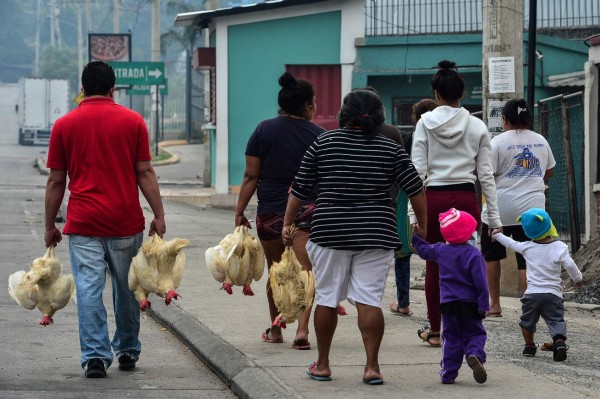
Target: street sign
(139, 73)
(136, 91)
(145, 90)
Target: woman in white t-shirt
(522, 160)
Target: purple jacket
(463, 275)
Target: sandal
(265, 337)
(395, 309)
(311, 373)
(301, 344)
(428, 336)
(548, 346)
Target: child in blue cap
(545, 256)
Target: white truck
(41, 103)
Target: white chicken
(293, 288)
(158, 268)
(237, 260)
(42, 286)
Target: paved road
(189, 169)
(225, 332)
(40, 362)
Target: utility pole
(155, 56)
(116, 15)
(88, 17)
(155, 37)
(531, 55)
(79, 40)
(38, 18)
(502, 81)
(502, 58)
(55, 38)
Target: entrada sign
(139, 73)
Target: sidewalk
(224, 332)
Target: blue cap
(537, 224)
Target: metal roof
(203, 18)
(576, 78)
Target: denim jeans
(91, 257)
(402, 270)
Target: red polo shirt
(99, 143)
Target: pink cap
(456, 226)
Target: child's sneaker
(479, 372)
(559, 351)
(529, 350)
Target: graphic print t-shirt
(520, 160)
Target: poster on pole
(494, 120)
(109, 47)
(502, 74)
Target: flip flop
(395, 309)
(265, 338)
(373, 381)
(548, 346)
(428, 336)
(301, 344)
(315, 377)
(493, 314)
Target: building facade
(338, 45)
(254, 46)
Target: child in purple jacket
(464, 294)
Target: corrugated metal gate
(560, 121)
(327, 82)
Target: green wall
(413, 88)
(258, 53)
(402, 66)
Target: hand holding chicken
(237, 260)
(42, 286)
(293, 288)
(158, 268)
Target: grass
(162, 155)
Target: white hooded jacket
(452, 147)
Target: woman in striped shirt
(353, 230)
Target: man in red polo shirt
(104, 150)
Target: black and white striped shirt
(354, 173)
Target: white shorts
(358, 276)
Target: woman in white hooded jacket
(451, 150)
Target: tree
(16, 19)
(182, 36)
(60, 63)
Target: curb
(40, 163)
(169, 143)
(245, 379)
(169, 161)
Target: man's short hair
(97, 78)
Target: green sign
(144, 90)
(137, 92)
(139, 73)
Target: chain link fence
(560, 121)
